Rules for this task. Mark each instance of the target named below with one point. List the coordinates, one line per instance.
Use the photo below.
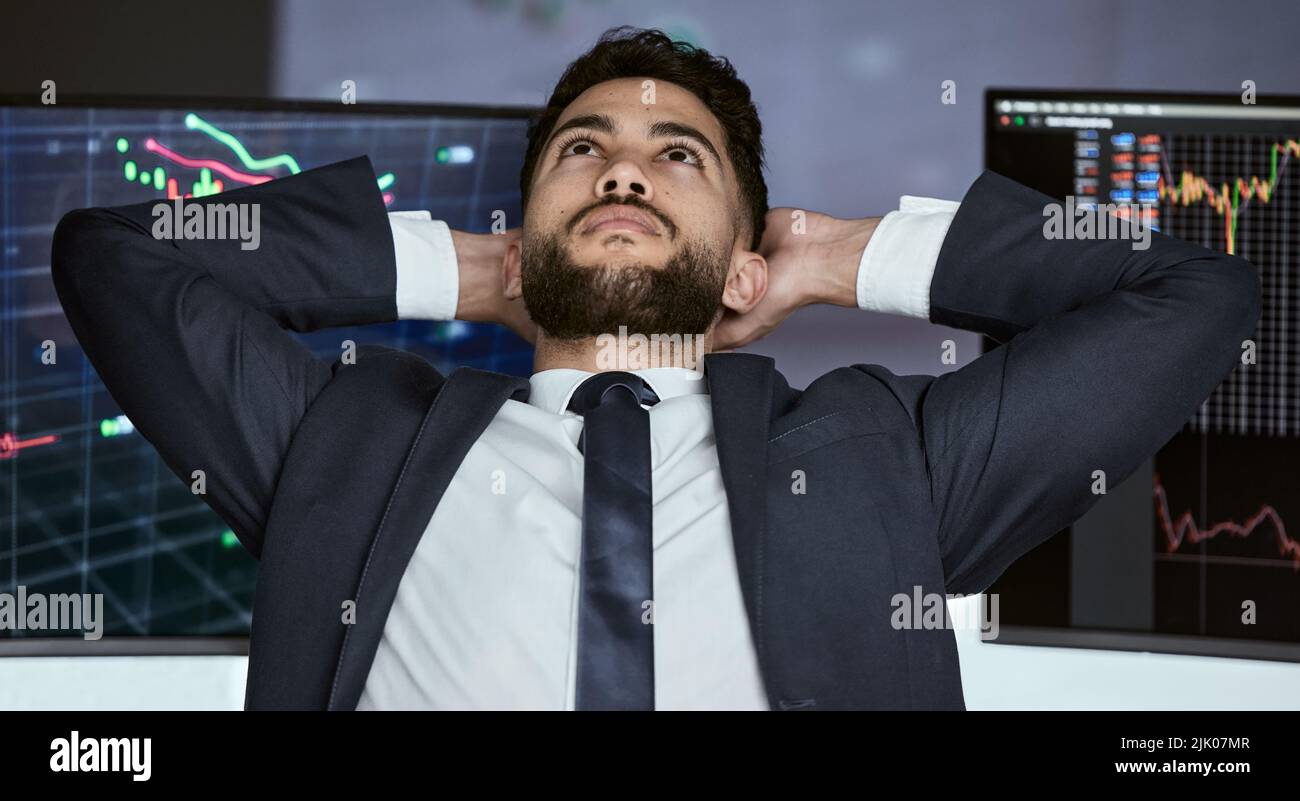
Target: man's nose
(624, 177)
(635, 187)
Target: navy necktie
(615, 635)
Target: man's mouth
(620, 218)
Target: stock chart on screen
(86, 505)
(1198, 552)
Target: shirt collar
(551, 389)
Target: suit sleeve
(191, 336)
(1106, 351)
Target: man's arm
(1106, 352)
(189, 337)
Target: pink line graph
(10, 444)
(1185, 527)
(152, 146)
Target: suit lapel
(457, 417)
(740, 391)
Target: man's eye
(583, 147)
(692, 155)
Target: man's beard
(570, 301)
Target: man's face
(631, 218)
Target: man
(617, 532)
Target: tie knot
(593, 391)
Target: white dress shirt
(486, 615)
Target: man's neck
(620, 351)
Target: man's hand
(482, 297)
(811, 258)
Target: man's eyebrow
(605, 124)
(663, 128)
(596, 122)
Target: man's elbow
(84, 240)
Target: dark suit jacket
(329, 473)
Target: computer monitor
(1199, 551)
(88, 506)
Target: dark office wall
(140, 47)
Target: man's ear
(746, 282)
(511, 276)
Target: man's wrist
(836, 255)
(478, 261)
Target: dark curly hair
(628, 52)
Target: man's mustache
(631, 200)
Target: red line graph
(152, 146)
(1185, 528)
(10, 444)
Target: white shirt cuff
(898, 263)
(428, 276)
